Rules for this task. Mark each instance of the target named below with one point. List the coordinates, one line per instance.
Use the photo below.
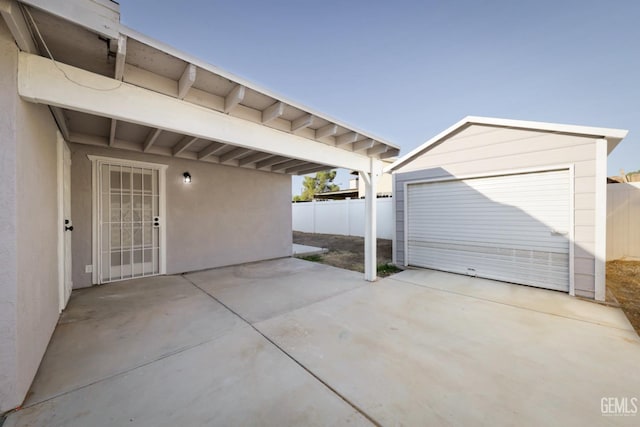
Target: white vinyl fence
(623, 221)
(343, 217)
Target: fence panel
(623, 221)
(342, 217)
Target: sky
(406, 70)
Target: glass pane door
(129, 223)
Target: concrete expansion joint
(289, 356)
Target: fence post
(313, 215)
(347, 203)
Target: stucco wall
(29, 264)
(8, 226)
(226, 216)
(483, 149)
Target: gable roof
(613, 136)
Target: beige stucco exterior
(482, 149)
(226, 215)
(28, 223)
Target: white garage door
(513, 228)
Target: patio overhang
(41, 80)
(110, 86)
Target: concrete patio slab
(412, 355)
(299, 250)
(543, 300)
(308, 344)
(113, 328)
(236, 379)
(260, 291)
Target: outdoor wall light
(187, 177)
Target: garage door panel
(512, 228)
(539, 273)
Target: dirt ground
(623, 281)
(345, 251)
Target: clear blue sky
(406, 70)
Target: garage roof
(93, 40)
(613, 136)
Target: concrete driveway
(289, 342)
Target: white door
(65, 223)
(129, 220)
(513, 228)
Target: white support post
(370, 180)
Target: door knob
(68, 228)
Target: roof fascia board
(613, 136)
(40, 80)
(100, 16)
(239, 80)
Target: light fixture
(187, 177)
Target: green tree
(320, 183)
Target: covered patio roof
(110, 86)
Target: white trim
(40, 80)
(600, 237)
(567, 167)
(230, 76)
(125, 162)
(406, 226)
(494, 173)
(572, 231)
(614, 136)
(394, 237)
(96, 162)
(60, 218)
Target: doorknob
(67, 227)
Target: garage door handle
(559, 233)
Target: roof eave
(613, 136)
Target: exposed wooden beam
(40, 81)
(347, 138)
(301, 167)
(378, 149)
(390, 153)
(253, 158)
(10, 11)
(58, 115)
(363, 145)
(289, 164)
(314, 169)
(233, 154)
(235, 97)
(121, 57)
(112, 132)
(184, 143)
(272, 112)
(271, 161)
(151, 138)
(210, 149)
(187, 80)
(327, 130)
(302, 122)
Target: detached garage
(521, 202)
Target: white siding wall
(342, 217)
(623, 221)
(481, 149)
